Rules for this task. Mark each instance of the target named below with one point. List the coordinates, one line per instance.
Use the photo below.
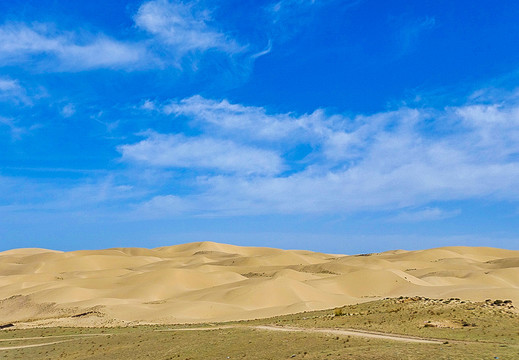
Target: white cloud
(16, 131)
(241, 161)
(147, 105)
(391, 160)
(66, 51)
(183, 27)
(170, 151)
(68, 110)
(493, 127)
(248, 121)
(163, 207)
(427, 214)
(12, 91)
(9, 85)
(177, 32)
(263, 52)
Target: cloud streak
(54, 50)
(12, 91)
(174, 30)
(183, 27)
(427, 214)
(16, 131)
(178, 151)
(393, 160)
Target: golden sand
(204, 282)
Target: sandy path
(347, 332)
(33, 345)
(44, 337)
(352, 332)
(52, 336)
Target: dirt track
(32, 345)
(352, 332)
(44, 337)
(347, 332)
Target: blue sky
(336, 126)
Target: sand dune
(206, 281)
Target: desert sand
(209, 282)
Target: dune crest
(206, 281)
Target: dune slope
(202, 282)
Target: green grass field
(466, 330)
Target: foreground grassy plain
(462, 330)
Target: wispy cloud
(21, 195)
(178, 151)
(16, 131)
(175, 31)
(183, 27)
(427, 214)
(232, 119)
(68, 110)
(53, 50)
(411, 30)
(164, 206)
(386, 161)
(245, 160)
(12, 91)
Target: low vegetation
(491, 320)
(468, 330)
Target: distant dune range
(206, 282)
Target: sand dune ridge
(209, 281)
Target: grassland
(465, 330)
